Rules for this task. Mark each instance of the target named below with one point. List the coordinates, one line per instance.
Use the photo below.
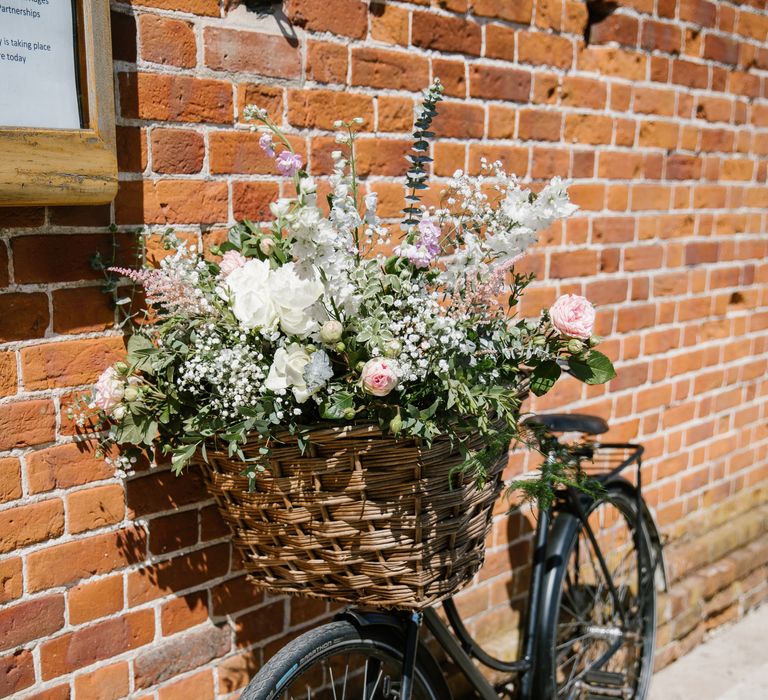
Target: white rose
(287, 370)
(251, 299)
(293, 298)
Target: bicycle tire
(316, 646)
(564, 538)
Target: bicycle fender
(652, 530)
(363, 619)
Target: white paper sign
(38, 84)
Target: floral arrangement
(325, 317)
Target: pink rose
(230, 261)
(379, 376)
(109, 390)
(573, 315)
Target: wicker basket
(359, 518)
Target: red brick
(97, 642)
(17, 671)
(184, 612)
(512, 10)
(584, 92)
(180, 654)
(662, 37)
(26, 423)
(610, 61)
(500, 42)
(177, 151)
(539, 125)
(94, 599)
(378, 68)
(235, 595)
(321, 108)
(94, 508)
(198, 684)
(699, 12)
(327, 62)
(30, 523)
(545, 49)
(251, 52)
(23, 316)
(65, 258)
(8, 377)
(171, 202)
(452, 75)
(10, 479)
(11, 584)
(107, 683)
(173, 575)
(66, 563)
(181, 98)
(588, 128)
(167, 41)
(454, 34)
(32, 619)
(384, 157)
(577, 263)
(131, 149)
(251, 200)
(81, 310)
(394, 113)
(618, 28)
(345, 17)
(68, 363)
(389, 24)
(459, 120)
(123, 30)
(256, 626)
(496, 83)
(690, 74)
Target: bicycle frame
(459, 645)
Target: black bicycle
(590, 626)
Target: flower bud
(358, 120)
(595, 340)
(338, 124)
(575, 346)
(539, 340)
(331, 332)
(267, 245)
(118, 412)
(393, 348)
(350, 413)
(131, 393)
(340, 347)
(396, 424)
(121, 367)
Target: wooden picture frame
(43, 166)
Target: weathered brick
(175, 98)
(23, 316)
(345, 17)
(378, 68)
(251, 52)
(495, 83)
(167, 41)
(177, 151)
(95, 507)
(453, 34)
(30, 523)
(66, 563)
(17, 671)
(26, 423)
(94, 599)
(511, 10)
(97, 642)
(321, 108)
(176, 656)
(108, 683)
(32, 619)
(327, 62)
(11, 584)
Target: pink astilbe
(482, 296)
(168, 288)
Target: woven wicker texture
(359, 518)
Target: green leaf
(544, 377)
(182, 455)
(592, 368)
(338, 405)
(139, 349)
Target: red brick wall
(110, 589)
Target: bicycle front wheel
(598, 625)
(337, 661)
